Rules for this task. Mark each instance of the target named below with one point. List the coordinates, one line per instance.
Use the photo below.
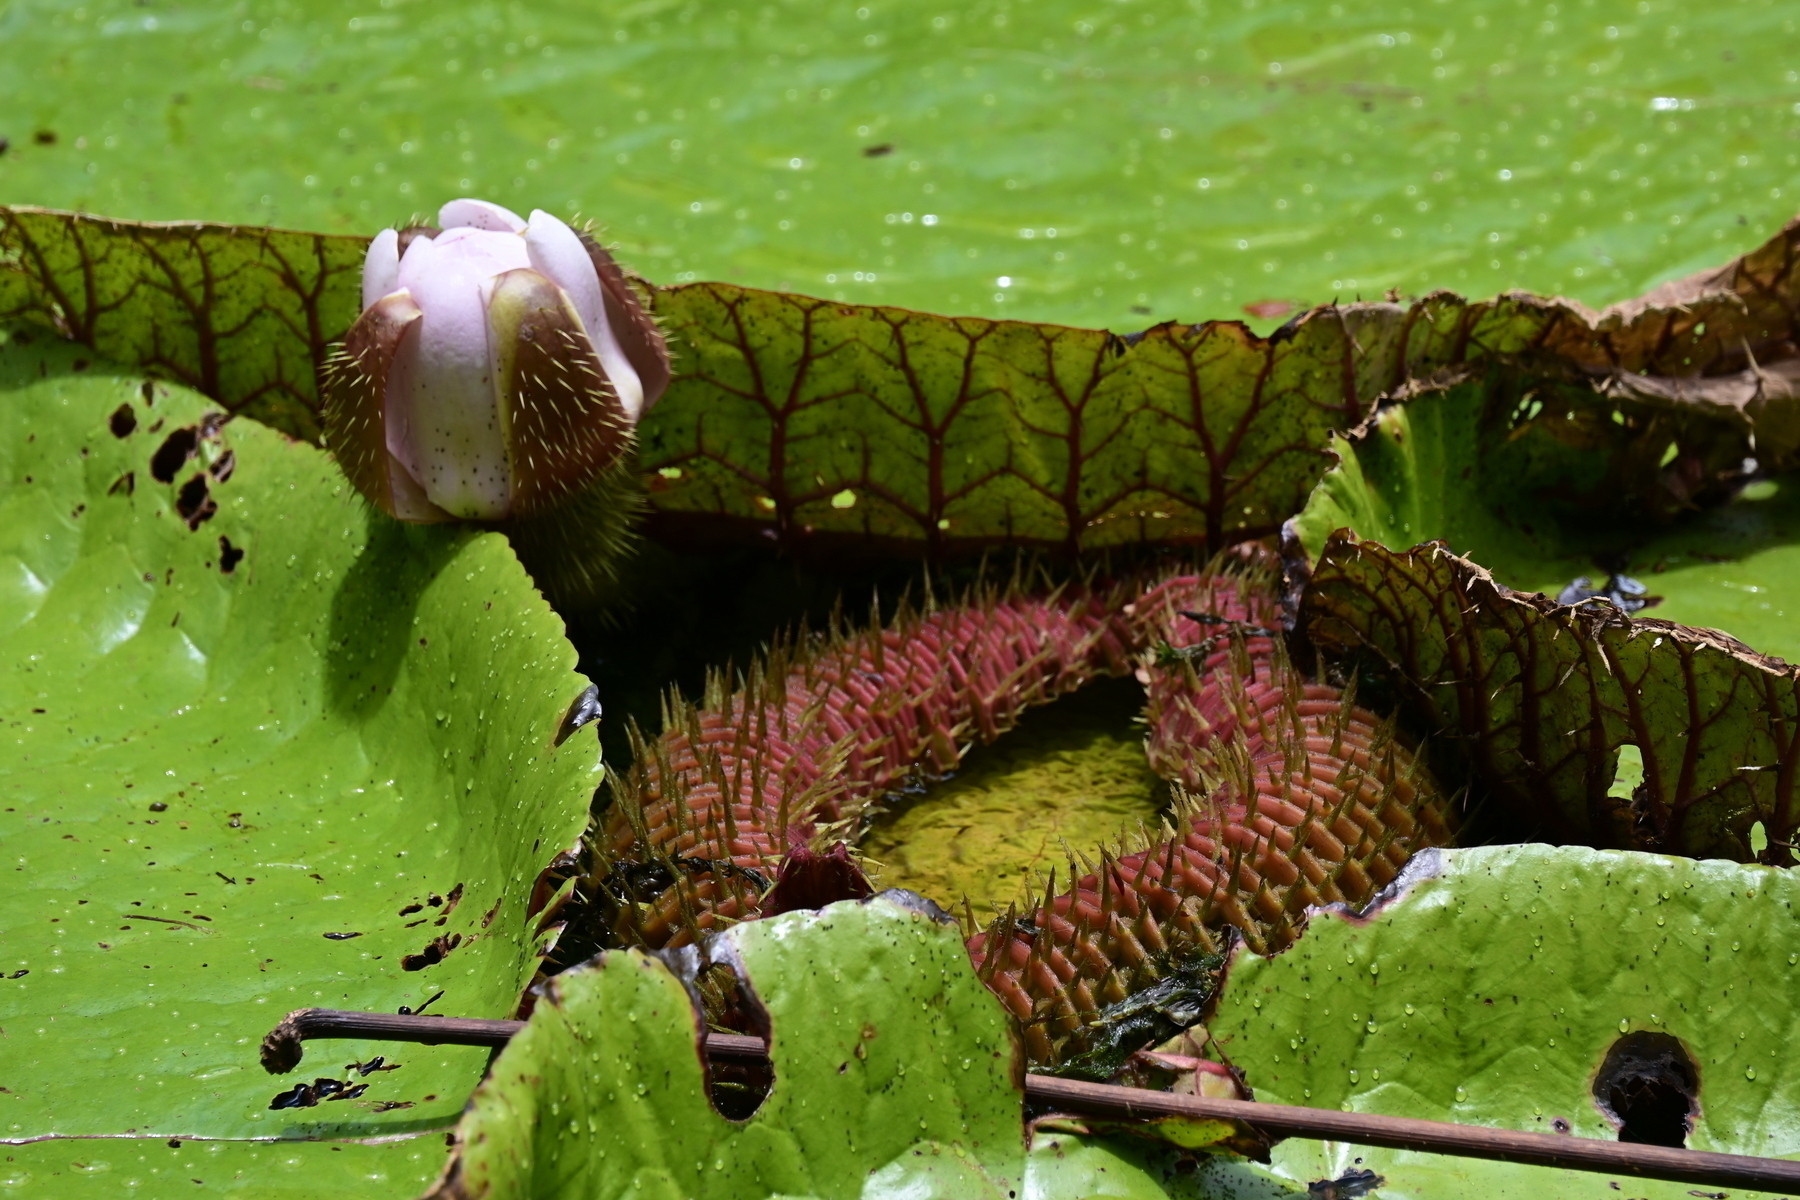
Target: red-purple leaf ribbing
(811, 423)
(1542, 698)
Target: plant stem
(281, 1052)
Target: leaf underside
(816, 423)
(1539, 699)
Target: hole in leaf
(1628, 772)
(736, 1086)
(1649, 1086)
(229, 555)
(175, 450)
(434, 953)
(123, 421)
(195, 503)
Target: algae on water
(1073, 772)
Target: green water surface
(1071, 776)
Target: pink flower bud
(498, 368)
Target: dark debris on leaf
(307, 1095)
(1351, 1185)
(404, 1011)
(1165, 1008)
(378, 1063)
(1624, 592)
(584, 711)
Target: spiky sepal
(575, 551)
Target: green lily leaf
(895, 1074)
(266, 749)
(102, 1169)
(1392, 1013)
(1055, 161)
(1577, 719)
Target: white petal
(381, 267)
(480, 214)
(482, 249)
(444, 426)
(558, 253)
(422, 251)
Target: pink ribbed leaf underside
(816, 423)
(1543, 698)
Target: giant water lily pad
(895, 1075)
(1396, 1013)
(1055, 160)
(266, 749)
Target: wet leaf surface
(1394, 1015)
(1053, 161)
(893, 1077)
(224, 784)
(99, 1169)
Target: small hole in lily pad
(1649, 1086)
(736, 1084)
(175, 450)
(195, 503)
